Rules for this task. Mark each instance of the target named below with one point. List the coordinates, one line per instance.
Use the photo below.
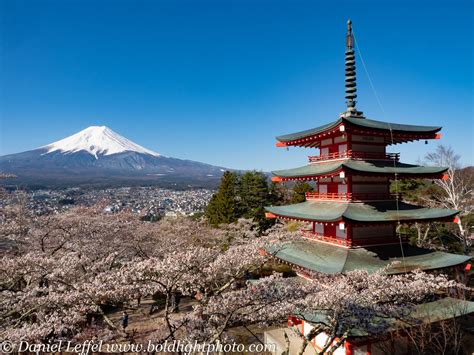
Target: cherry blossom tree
(69, 268)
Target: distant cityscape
(148, 202)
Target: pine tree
(254, 196)
(223, 206)
(278, 193)
(299, 191)
(211, 211)
(243, 196)
(253, 193)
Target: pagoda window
(340, 139)
(326, 142)
(342, 188)
(342, 148)
(319, 228)
(324, 151)
(341, 233)
(323, 188)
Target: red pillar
(349, 347)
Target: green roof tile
(430, 312)
(308, 132)
(332, 259)
(364, 123)
(380, 211)
(407, 128)
(369, 166)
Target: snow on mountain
(97, 141)
(97, 156)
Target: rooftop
(330, 259)
(373, 211)
(369, 166)
(430, 312)
(363, 124)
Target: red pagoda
(352, 217)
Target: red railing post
(356, 155)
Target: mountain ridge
(98, 154)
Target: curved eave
(330, 259)
(307, 211)
(394, 127)
(398, 133)
(308, 133)
(361, 212)
(311, 171)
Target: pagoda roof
(369, 211)
(362, 123)
(429, 312)
(332, 259)
(368, 166)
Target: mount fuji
(99, 156)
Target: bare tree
(429, 336)
(457, 188)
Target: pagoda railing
(308, 233)
(328, 196)
(348, 196)
(354, 155)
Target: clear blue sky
(215, 81)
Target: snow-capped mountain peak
(97, 140)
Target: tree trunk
(463, 235)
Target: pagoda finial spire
(350, 75)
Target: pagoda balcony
(359, 242)
(308, 233)
(349, 154)
(347, 196)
